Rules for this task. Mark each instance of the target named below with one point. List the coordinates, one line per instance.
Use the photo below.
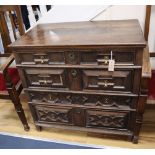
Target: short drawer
(108, 119)
(47, 57)
(84, 100)
(126, 80)
(43, 77)
(102, 57)
(52, 114)
(40, 57)
(59, 115)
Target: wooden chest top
(79, 34)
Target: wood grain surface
(120, 32)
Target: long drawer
(97, 101)
(122, 56)
(83, 117)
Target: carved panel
(110, 101)
(107, 119)
(58, 98)
(81, 99)
(77, 99)
(52, 115)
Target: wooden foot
(135, 140)
(39, 128)
(130, 138)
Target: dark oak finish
(64, 70)
(13, 90)
(88, 34)
(86, 100)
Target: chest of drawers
(64, 71)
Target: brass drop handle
(41, 60)
(105, 60)
(74, 72)
(105, 84)
(45, 82)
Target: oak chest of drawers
(64, 71)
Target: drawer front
(101, 119)
(47, 58)
(82, 117)
(86, 100)
(102, 57)
(53, 115)
(51, 78)
(34, 58)
(119, 80)
(83, 57)
(59, 115)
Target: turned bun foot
(39, 128)
(135, 140)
